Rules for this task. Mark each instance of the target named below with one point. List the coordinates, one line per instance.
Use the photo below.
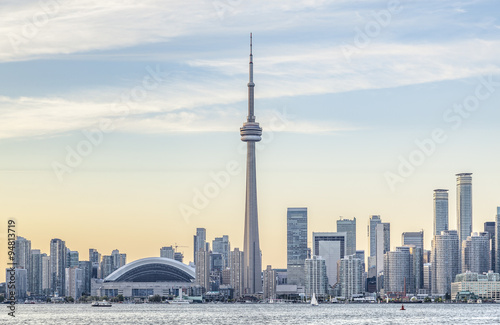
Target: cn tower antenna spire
(251, 133)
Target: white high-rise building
(58, 256)
(316, 277)
(397, 270)
(476, 253)
(46, 274)
(74, 282)
(199, 242)
(351, 276)
(464, 206)
(440, 211)
(428, 277)
(445, 261)
(383, 244)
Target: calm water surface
(255, 314)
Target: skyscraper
(440, 211)
(445, 261)
(489, 227)
(427, 281)
(95, 260)
(236, 261)
(397, 270)
(497, 241)
(413, 238)
(22, 257)
(351, 276)
(296, 220)
(58, 256)
(200, 240)
(383, 244)
(349, 227)
(316, 278)
(222, 245)
(464, 205)
(46, 275)
(331, 247)
(476, 253)
(106, 266)
(36, 273)
(72, 259)
(203, 269)
(374, 221)
(250, 133)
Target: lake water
(254, 314)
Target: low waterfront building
(484, 286)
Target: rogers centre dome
(146, 277)
(153, 269)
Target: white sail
(314, 302)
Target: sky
(120, 119)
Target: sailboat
(314, 302)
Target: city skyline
(130, 130)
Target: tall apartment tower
(199, 242)
(296, 220)
(36, 273)
(203, 269)
(464, 205)
(351, 276)
(58, 256)
(316, 277)
(440, 211)
(22, 257)
(445, 261)
(397, 270)
(383, 244)
(476, 253)
(497, 241)
(236, 260)
(349, 227)
(269, 286)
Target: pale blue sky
(349, 117)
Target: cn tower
(250, 133)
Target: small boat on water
(103, 303)
(314, 302)
(179, 300)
